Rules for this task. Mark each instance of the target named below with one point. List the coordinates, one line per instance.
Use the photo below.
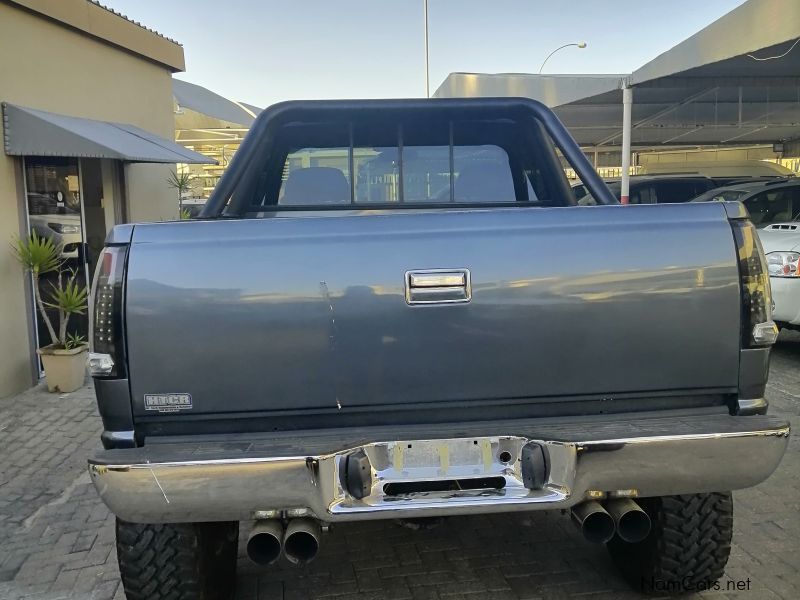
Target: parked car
(579, 191)
(54, 219)
(774, 208)
(661, 189)
(767, 201)
(719, 169)
(192, 207)
(314, 352)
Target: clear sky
(265, 51)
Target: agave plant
(68, 299)
(182, 183)
(39, 256)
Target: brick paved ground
(56, 538)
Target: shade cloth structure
(198, 107)
(735, 82)
(32, 132)
(209, 123)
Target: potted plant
(64, 359)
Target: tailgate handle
(438, 286)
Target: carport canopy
(735, 82)
(31, 132)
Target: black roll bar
(256, 140)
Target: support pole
(627, 104)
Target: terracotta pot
(64, 370)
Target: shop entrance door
(65, 205)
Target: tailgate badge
(168, 402)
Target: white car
(56, 218)
(781, 242)
(63, 230)
(774, 208)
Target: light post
(577, 44)
(427, 68)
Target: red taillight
(107, 358)
(106, 263)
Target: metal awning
(31, 132)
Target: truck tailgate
(311, 312)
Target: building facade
(87, 107)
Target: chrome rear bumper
(232, 479)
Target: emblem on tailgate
(168, 402)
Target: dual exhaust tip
(299, 541)
(599, 522)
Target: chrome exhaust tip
(632, 523)
(594, 521)
(301, 541)
(265, 542)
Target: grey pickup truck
(394, 310)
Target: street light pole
(427, 65)
(578, 44)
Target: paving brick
(58, 538)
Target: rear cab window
(385, 165)
(429, 174)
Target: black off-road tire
(177, 561)
(687, 548)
